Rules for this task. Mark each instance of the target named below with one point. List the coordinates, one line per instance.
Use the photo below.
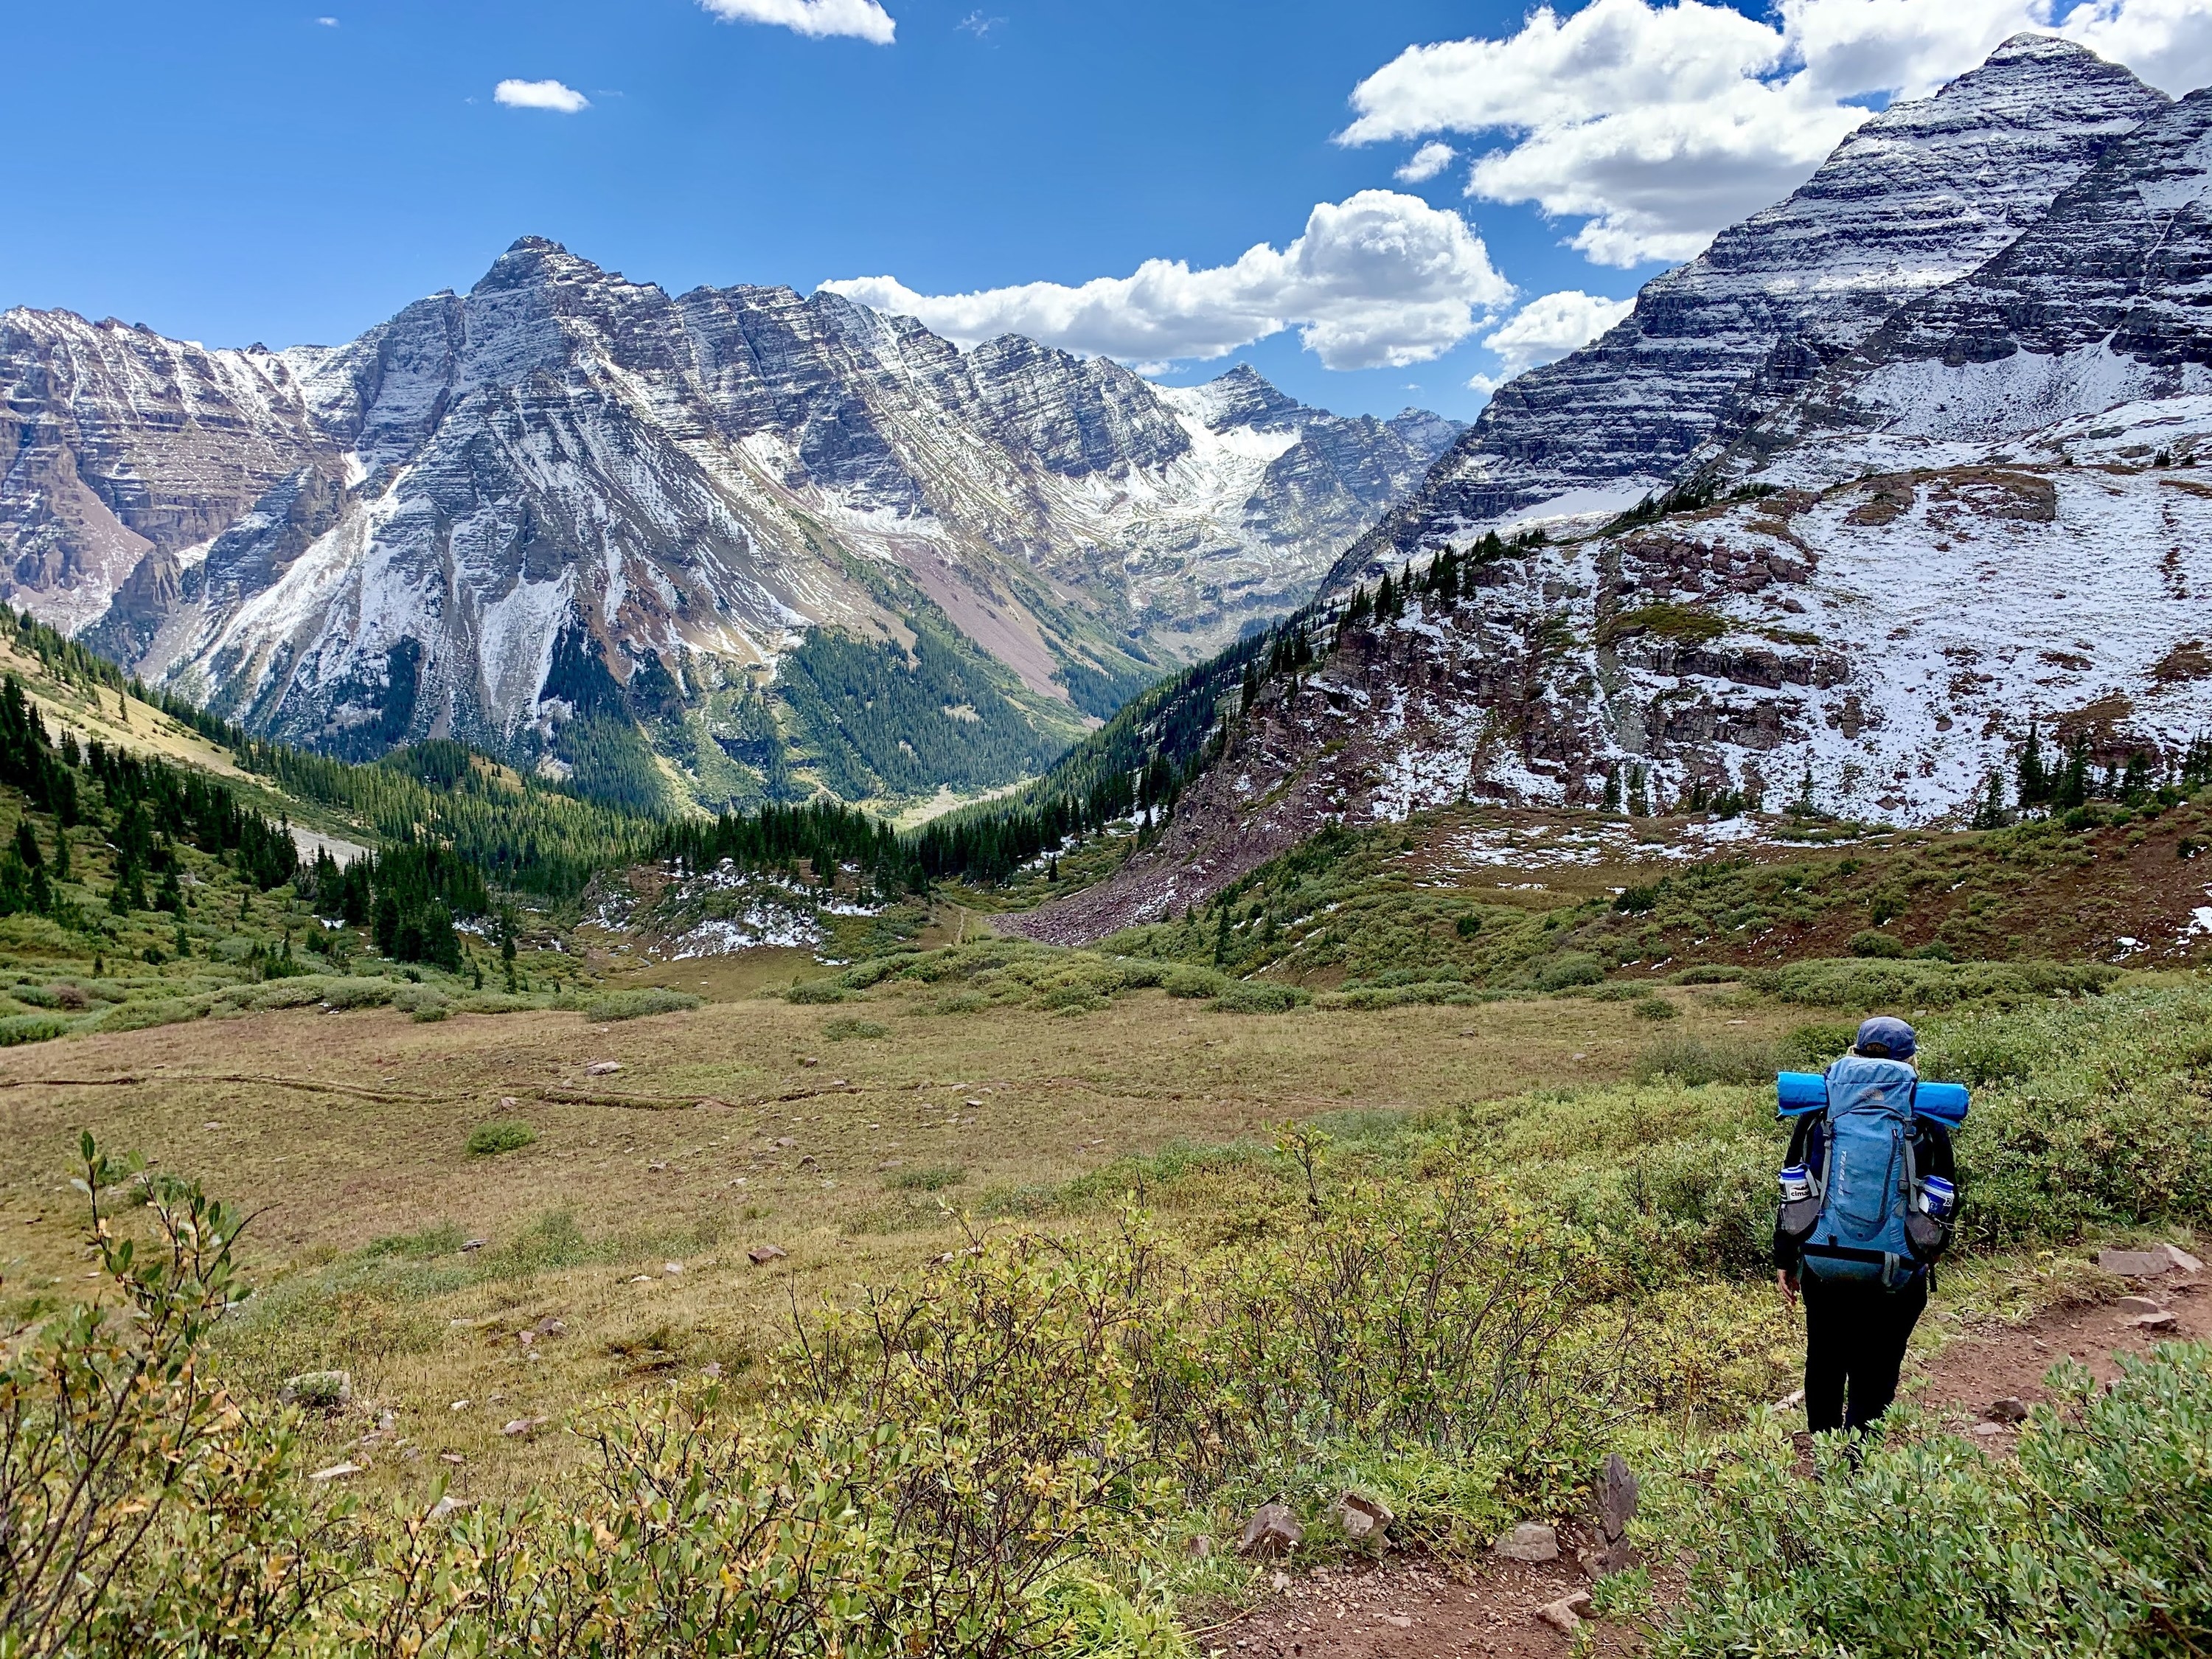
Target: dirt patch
(1968, 1376)
(2189, 661)
(1888, 499)
(1418, 1608)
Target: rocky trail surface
(1981, 1384)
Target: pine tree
(2135, 783)
(26, 845)
(1221, 937)
(2034, 784)
(61, 854)
(1991, 813)
(1611, 802)
(1640, 800)
(2073, 788)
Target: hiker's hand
(1786, 1282)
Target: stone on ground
(1532, 1540)
(1271, 1531)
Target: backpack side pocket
(1799, 1218)
(1928, 1237)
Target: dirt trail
(1425, 1610)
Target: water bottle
(1797, 1183)
(1939, 1196)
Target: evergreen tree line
(2067, 776)
(823, 833)
(145, 808)
(520, 832)
(406, 896)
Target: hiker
(1891, 1189)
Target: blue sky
(245, 172)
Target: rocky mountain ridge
(1994, 506)
(566, 500)
(1919, 196)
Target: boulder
(336, 1472)
(1566, 1614)
(1366, 1520)
(1532, 1540)
(1200, 1547)
(761, 1254)
(2139, 1305)
(603, 1068)
(2167, 1258)
(2163, 1319)
(1271, 1531)
(2007, 1410)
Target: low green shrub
(817, 991)
(1570, 968)
(1193, 982)
(1696, 1061)
(154, 1011)
(1655, 1008)
(359, 992)
(1869, 983)
(845, 1029)
(2095, 1538)
(1811, 1048)
(488, 1140)
(1706, 974)
(638, 1002)
(30, 1028)
(1871, 943)
(1249, 997)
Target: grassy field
(850, 1135)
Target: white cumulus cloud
(540, 94)
(1656, 125)
(1379, 278)
(864, 19)
(1426, 162)
(1552, 325)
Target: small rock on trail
(1420, 1609)
(1271, 1531)
(1532, 1540)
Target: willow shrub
(965, 1463)
(2096, 1539)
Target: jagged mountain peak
(492, 514)
(1920, 195)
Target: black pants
(1855, 1337)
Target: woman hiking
(1872, 1184)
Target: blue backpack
(1866, 1221)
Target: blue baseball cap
(1888, 1038)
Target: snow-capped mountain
(1920, 195)
(566, 496)
(1993, 506)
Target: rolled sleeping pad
(1944, 1101)
(1799, 1092)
